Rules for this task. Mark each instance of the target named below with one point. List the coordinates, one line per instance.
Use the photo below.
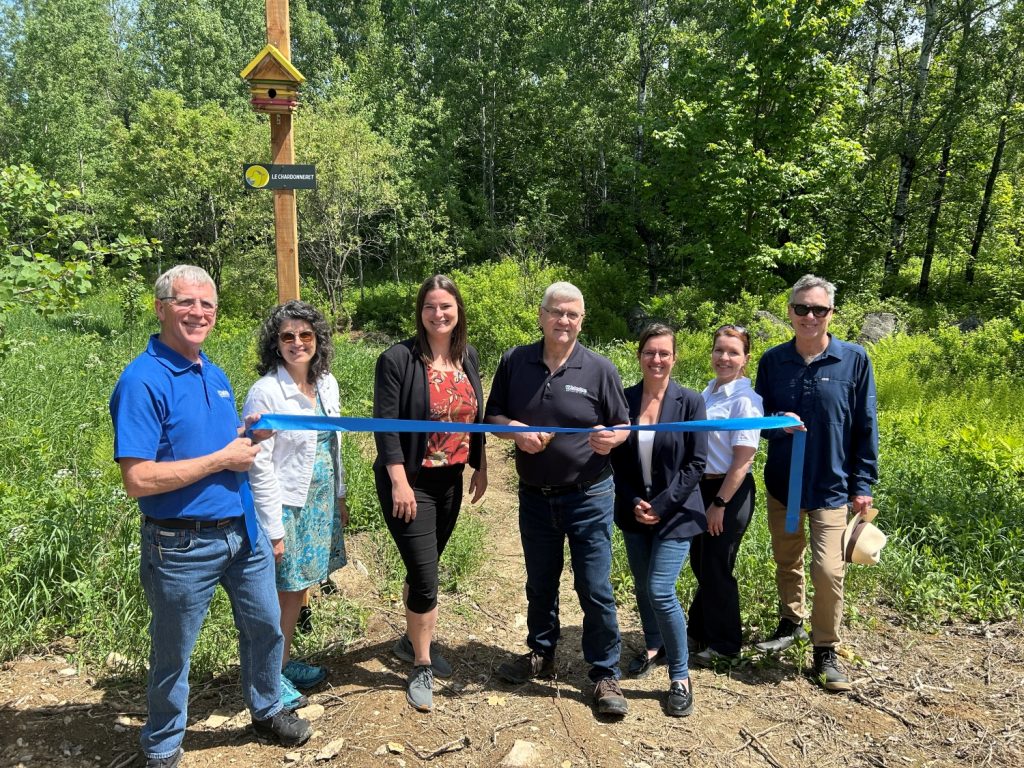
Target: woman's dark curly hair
(270, 355)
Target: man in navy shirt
(179, 444)
(830, 386)
(565, 488)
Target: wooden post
(286, 228)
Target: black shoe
(679, 702)
(609, 699)
(709, 658)
(827, 670)
(284, 728)
(529, 666)
(784, 636)
(165, 762)
(640, 665)
(305, 622)
(328, 587)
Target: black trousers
(421, 541)
(714, 616)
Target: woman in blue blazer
(658, 507)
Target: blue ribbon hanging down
(285, 422)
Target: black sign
(267, 176)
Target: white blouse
(735, 400)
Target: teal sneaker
(304, 676)
(291, 699)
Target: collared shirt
(834, 395)
(167, 408)
(734, 400)
(584, 392)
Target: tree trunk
(910, 146)
(933, 218)
(990, 184)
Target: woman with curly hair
(297, 479)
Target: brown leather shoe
(609, 699)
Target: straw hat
(862, 541)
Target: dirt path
(952, 698)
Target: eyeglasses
(565, 314)
(803, 309)
(651, 354)
(187, 302)
(306, 337)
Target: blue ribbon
(285, 422)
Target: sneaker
(165, 762)
(679, 702)
(640, 665)
(284, 728)
(420, 690)
(828, 671)
(305, 622)
(609, 699)
(291, 699)
(403, 650)
(709, 658)
(528, 666)
(328, 587)
(784, 636)
(304, 675)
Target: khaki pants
(827, 568)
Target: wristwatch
(718, 501)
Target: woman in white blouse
(297, 479)
(727, 489)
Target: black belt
(561, 490)
(184, 524)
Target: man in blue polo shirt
(565, 488)
(830, 386)
(181, 451)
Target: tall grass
(952, 468)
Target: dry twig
(754, 742)
(861, 699)
(444, 749)
(503, 726)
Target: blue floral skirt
(314, 540)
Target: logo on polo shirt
(223, 393)
(575, 389)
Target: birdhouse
(273, 82)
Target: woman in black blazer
(659, 509)
(418, 475)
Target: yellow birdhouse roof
(270, 64)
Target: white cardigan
(283, 468)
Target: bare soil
(951, 697)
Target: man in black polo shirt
(565, 488)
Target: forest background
(679, 160)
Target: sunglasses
(803, 309)
(306, 337)
(733, 327)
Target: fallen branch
(754, 742)
(444, 749)
(503, 726)
(861, 699)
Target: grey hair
(564, 292)
(189, 274)
(807, 282)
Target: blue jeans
(180, 570)
(656, 564)
(585, 517)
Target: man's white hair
(189, 274)
(562, 291)
(807, 282)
